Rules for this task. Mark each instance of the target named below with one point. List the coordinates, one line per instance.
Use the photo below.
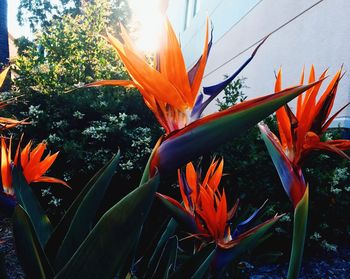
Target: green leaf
(27, 199)
(167, 261)
(203, 268)
(168, 232)
(299, 232)
(113, 238)
(61, 229)
(85, 214)
(197, 264)
(29, 251)
(178, 212)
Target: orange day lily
(205, 210)
(33, 166)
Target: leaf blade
(85, 214)
(29, 251)
(96, 257)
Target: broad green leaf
(113, 238)
(203, 268)
(208, 132)
(27, 199)
(197, 264)
(168, 232)
(29, 251)
(299, 232)
(167, 262)
(178, 212)
(61, 229)
(85, 214)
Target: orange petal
(200, 72)
(172, 64)
(3, 76)
(191, 177)
(215, 179)
(48, 179)
(152, 81)
(283, 121)
(5, 169)
(25, 154)
(125, 83)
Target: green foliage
(233, 94)
(104, 247)
(69, 52)
(39, 13)
(86, 125)
(26, 198)
(29, 250)
(85, 213)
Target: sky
(147, 15)
(14, 28)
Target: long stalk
(299, 232)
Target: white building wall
(320, 36)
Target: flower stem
(299, 232)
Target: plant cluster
(209, 228)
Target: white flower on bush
(128, 165)
(54, 139)
(78, 115)
(339, 175)
(34, 114)
(98, 131)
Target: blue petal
(187, 189)
(214, 90)
(192, 72)
(248, 223)
(196, 111)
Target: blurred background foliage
(88, 125)
(85, 125)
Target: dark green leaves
(30, 253)
(82, 222)
(113, 238)
(299, 231)
(27, 199)
(61, 229)
(197, 265)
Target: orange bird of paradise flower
(33, 166)
(205, 210)
(300, 134)
(176, 98)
